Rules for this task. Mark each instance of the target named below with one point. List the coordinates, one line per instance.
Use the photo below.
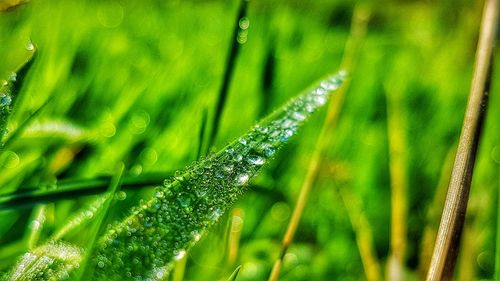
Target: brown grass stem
(447, 242)
(434, 212)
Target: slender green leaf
(234, 274)
(9, 90)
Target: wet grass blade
(161, 229)
(447, 242)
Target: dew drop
(159, 193)
(196, 235)
(178, 176)
(256, 160)
(167, 182)
(12, 77)
(219, 174)
(215, 215)
(319, 100)
(184, 200)
(228, 168)
(244, 23)
(298, 116)
(286, 135)
(120, 195)
(88, 214)
(180, 255)
(5, 100)
(242, 179)
(35, 224)
(100, 264)
(238, 157)
(268, 151)
(160, 273)
(201, 193)
(242, 141)
(309, 108)
(320, 91)
(30, 46)
(330, 85)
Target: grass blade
(114, 186)
(236, 40)
(398, 160)
(234, 274)
(161, 230)
(452, 220)
(71, 188)
(9, 91)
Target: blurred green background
(129, 81)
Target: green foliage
(137, 82)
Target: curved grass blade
(234, 274)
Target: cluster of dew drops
(160, 230)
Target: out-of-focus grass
(137, 76)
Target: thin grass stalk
(364, 237)
(228, 72)
(452, 220)
(398, 176)
(360, 19)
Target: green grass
(130, 82)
